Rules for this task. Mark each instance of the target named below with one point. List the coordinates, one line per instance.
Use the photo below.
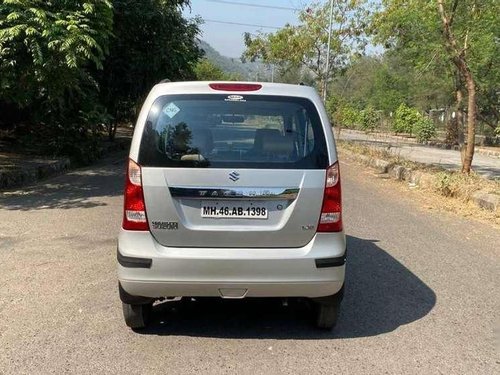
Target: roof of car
(202, 87)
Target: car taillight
(134, 215)
(235, 86)
(331, 212)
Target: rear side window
(233, 131)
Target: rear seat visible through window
(210, 131)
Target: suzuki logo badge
(234, 176)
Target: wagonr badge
(191, 228)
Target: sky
(228, 38)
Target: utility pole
(327, 70)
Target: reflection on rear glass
(211, 131)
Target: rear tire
(137, 316)
(327, 310)
(326, 316)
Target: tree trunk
(115, 128)
(459, 122)
(459, 59)
(112, 130)
(471, 123)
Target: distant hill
(249, 71)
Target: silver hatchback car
(232, 191)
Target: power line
(253, 5)
(242, 24)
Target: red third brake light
(134, 215)
(235, 86)
(331, 212)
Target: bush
(331, 106)
(424, 129)
(343, 114)
(369, 119)
(349, 117)
(411, 121)
(405, 118)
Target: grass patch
(462, 186)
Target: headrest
(277, 144)
(260, 134)
(194, 138)
(202, 139)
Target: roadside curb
(44, 168)
(486, 200)
(441, 145)
(477, 150)
(493, 154)
(423, 179)
(20, 177)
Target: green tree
(47, 49)
(460, 35)
(373, 81)
(305, 45)
(384, 82)
(151, 41)
(205, 70)
(294, 75)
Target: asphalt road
(484, 165)
(422, 293)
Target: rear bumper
(230, 273)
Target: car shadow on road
(381, 295)
(80, 188)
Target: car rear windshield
(233, 131)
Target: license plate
(227, 210)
